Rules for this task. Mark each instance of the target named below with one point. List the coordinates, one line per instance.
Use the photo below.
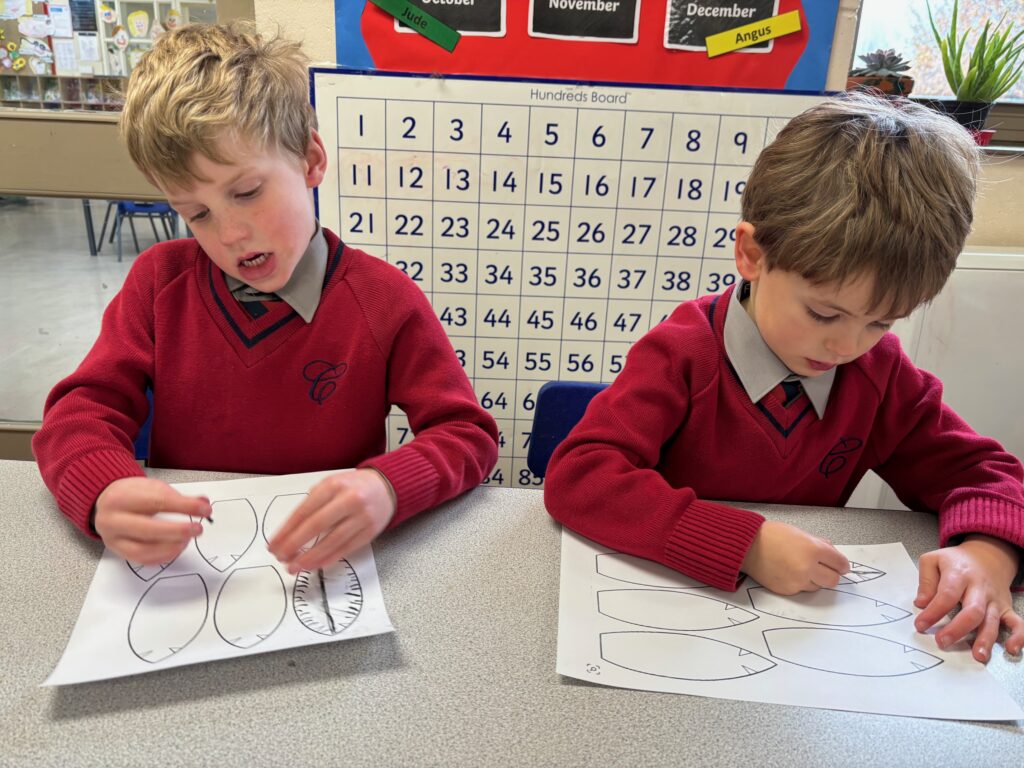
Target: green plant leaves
(994, 64)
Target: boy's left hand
(341, 514)
(977, 574)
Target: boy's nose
(842, 345)
(232, 231)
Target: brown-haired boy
(270, 347)
(787, 388)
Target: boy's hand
(787, 560)
(977, 574)
(125, 519)
(342, 513)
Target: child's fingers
(152, 530)
(945, 599)
(825, 576)
(166, 499)
(927, 584)
(342, 540)
(300, 526)
(987, 634)
(832, 558)
(1015, 625)
(146, 553)
(974, 612)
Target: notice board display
(621, 41)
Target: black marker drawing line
(859, 573)
(323, 598)
(153, 570)
(347, 599)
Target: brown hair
(860, 184)
(204, 82)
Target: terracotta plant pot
(890, 86)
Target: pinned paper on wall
(60, 15)
(88, 46)
(64, 56)
(224, 596)
(630, 623)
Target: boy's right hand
(125, 519)
(787, 560)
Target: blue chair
(142, 439)
(560, 404)
(126, 209)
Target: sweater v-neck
(254, 336)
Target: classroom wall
(1000, 208)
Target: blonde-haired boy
(269, 346)
(787, 388)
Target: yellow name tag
(748, 34)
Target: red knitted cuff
(414, 479)
(710, 541)
(85, 480)
(993, 516)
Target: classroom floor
(56, 295)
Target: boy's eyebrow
(838, 308)
(175, 201)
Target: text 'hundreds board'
(550, 225)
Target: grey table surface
(468, 678)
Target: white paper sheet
(629, 623)
(224, 596)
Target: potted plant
(991, 69)
(883, 70)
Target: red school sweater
(677, 428)
(268, 394)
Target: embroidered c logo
(835, 460)
(321, 375)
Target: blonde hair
(205, 82)
(862, 185)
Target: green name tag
(416, 18)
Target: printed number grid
(548, 238)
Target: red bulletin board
(797, 62)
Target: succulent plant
(881, 63)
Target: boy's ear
(750, 262)
(316, 160)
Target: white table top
(468, 678)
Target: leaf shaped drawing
(168, 617)
(680, 657)
(250, 606)
(228, 538)
(665, 609)
(843, 652)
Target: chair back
(560, 404)
(142, 439)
